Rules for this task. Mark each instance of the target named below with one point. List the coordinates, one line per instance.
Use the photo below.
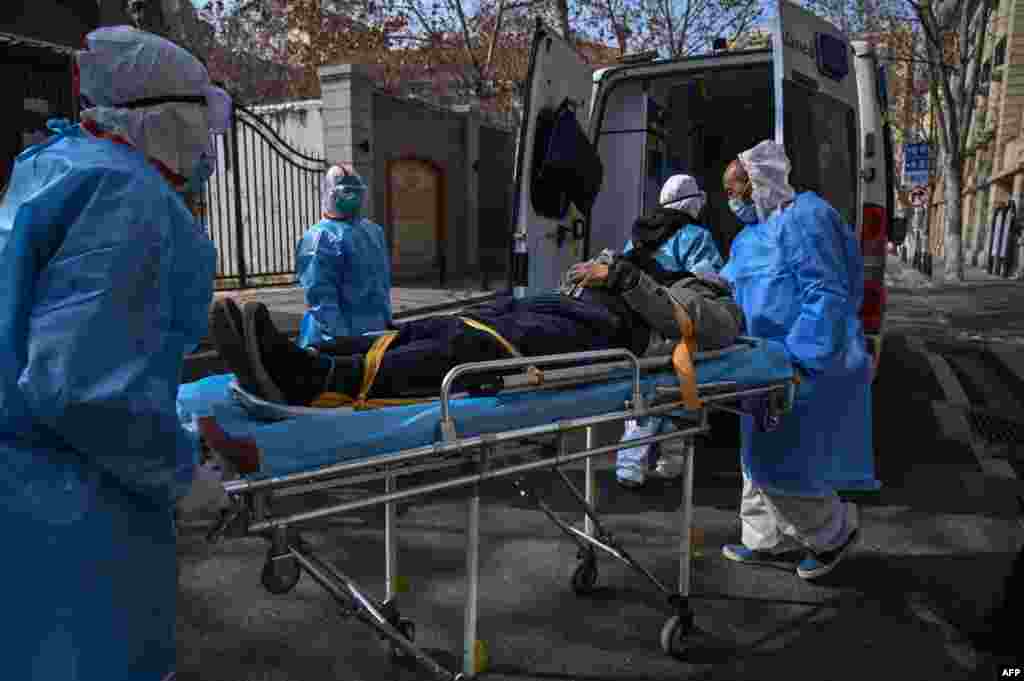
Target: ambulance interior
(695, 124)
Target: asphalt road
(937, 542)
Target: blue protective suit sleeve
(322, 263)
(822, 260)
(699, 253)
(122, 290)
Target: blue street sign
(916, 162)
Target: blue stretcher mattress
(309, 441)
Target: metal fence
(262, 197)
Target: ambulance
(813, 90)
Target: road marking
(954, 418)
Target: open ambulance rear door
(833, 118)
(544, 246)
(816, 91)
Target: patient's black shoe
(284, 372)
(289, 374)
(226, 331)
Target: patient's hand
(589, 274)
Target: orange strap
(682, 358)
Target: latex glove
(622, 276)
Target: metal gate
(263, 195)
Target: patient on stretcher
(613, 301)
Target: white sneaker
(631, 462)
(629, 476)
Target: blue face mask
(744, 211)
(348, 196)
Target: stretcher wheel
(585, 577)
(280, 575)
(674, 637)
(407, 629)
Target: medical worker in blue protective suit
(682, 246)
(344, 265)
(106, 279)
(797, 273)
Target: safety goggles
(217, 102)
(678, 199)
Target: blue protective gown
(799, 278)
(345, 269)
(691, 249)
(105, 281)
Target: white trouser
(775, 522)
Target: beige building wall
(993, 172)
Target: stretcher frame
(476, 461)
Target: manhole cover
(996, 428)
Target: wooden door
(414, 200)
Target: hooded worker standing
(344, 266)
(679, 244)
(798, 274)
(106, 279)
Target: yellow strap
(332, 400)
(480, 326)
(682, 358)
(533, 375)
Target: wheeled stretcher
(278, 450)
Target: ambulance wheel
(281, 575)
(674, 637)
(584, 578)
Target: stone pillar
(472, 165)
(347, 96)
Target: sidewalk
(287, 305)
(983, 308)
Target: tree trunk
(953, 241)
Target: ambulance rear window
(821, 141)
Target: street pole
(933, 155)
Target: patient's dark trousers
(425, 350)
